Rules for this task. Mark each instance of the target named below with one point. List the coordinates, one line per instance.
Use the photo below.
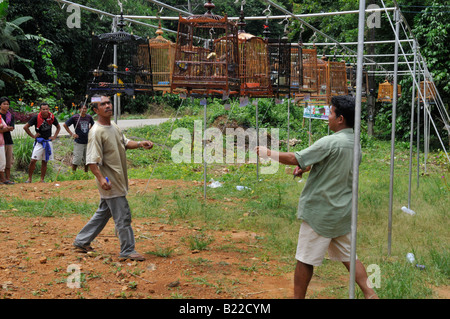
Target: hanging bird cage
(131, 73)
(206, 55)
(351, 79)
(428, 91)
(254, 68)
(322, 95)
(386, 92)
(162, 52)
(309, 67)
(280, 65)
(337, 75)
(296, 69)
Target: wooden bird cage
(428, 91)
(131, 73)
(254, 67)
(337, 75)
(296, 69)
(386, 92)
(206, 56)
(309, 66)
(322, 95)
(162, 52)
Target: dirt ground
(38, 260)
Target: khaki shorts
(79, 154)
(312, 248)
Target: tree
(10, 35)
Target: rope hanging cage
(131, 73)
(254, 67)
(206, 55)
(162, 52)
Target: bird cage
(206, 56)
(296, 69)
(351, 79)
(386, 92)
(254, 68)
(337, 75)
(162, 52)
(322, 94)
(428, 90)
(280, 65)
(129, 71)
(309, 66)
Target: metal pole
(356, 151)
(203, 153)
(288, 122)
(394, 115)
(418, 127)
(411, 137)
(425, 123)
(257, 140)
(116, 102)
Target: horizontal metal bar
(355, 43)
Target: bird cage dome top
(207, 15)
(159, 37)
(120, 36)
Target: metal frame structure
(417, 69)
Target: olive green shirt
(106, 148)
(326, 200)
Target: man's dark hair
(345, 105)
(4, 99)
(43, 103)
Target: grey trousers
(119, 210)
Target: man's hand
(262, 151)
(147, 144)
(105, 184)
(298, 172)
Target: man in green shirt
(106, 159)
(325, 204)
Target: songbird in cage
(211, 56)
(97, 73)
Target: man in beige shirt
(106, 158)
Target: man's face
(83, 110)
(104, 107)
(45, 109)
(333, 121)
(4, 107)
